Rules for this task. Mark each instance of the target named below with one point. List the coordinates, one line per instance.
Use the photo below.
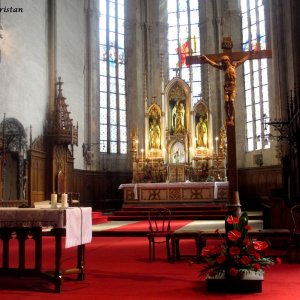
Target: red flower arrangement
(236, 254)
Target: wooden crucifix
(227, 62)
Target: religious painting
(177, 110)
(201, 126)
(154, 127)
(178, 153)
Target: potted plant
(236, 258)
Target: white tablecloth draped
(78, 226)
(76, 220)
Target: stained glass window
(255, 74)
(113, 125)
(183, 41)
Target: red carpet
(118, 268)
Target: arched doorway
(13, 149)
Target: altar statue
(201, 133)
(155, 137)
(178, 116)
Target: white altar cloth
(160, 185)
(79, 217)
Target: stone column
(136, 28)
(52, 27)
(91, 75)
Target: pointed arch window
(255, 74)
(113, 130)
(183, 41)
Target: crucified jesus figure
(229, 68)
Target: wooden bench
(178, 235)
(12, 203)
(280, 241)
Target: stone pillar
(52, 27)
(136, 28)
(212, 82)
(91, 96)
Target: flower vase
(248, 281)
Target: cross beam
(227, 46)
(234, 56)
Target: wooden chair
(295, 213)
(73, 199)
(159, 230)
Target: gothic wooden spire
(60, 126)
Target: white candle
(53, 200)
(64, 200)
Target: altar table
(175, 192)
(27, 223)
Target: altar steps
(98, 218)
(178, 213)
(173, 207)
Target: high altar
(178, 146)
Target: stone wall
(23, 66)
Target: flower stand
(250, 281)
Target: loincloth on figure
(230, 92)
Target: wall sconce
(280, 127)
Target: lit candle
(217, 150)
(53, 200)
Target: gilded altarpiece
(177, 149)
(178, 143)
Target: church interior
(151, 102)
